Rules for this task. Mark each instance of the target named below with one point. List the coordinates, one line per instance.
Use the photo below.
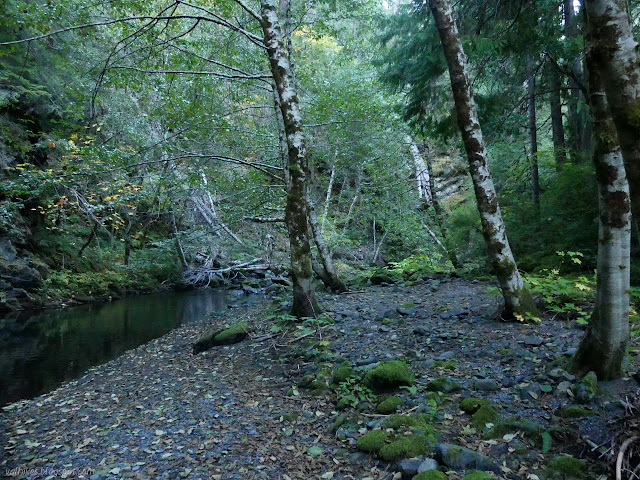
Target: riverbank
(270, 408)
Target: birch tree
(603, 346)
(296, 212)
(615, 54)
(518, 300)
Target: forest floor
(241, 412)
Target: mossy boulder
(574, 411)
(406, 447)
(478, 475)
(472, 405)
(430, 475)
(343, 373)
(586, 389)
(569, 467)
(373, 441)
(388, 376)
(444, 385)
(485, 414)
(227, 336)
(389, 405)
(419, 421)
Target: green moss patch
(444, 385)
(430, 475)
(532, 430)
(569, 466)
(406, 447)
(388, 376)
(232, 334)
(472, 405)
(478, 475)
(485, 414)
(343, 373)
(373, 441)
(389, 405)
(420, 421)
(576, 412)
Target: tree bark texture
(422, 173)
(576, 118)
(440, 214)
(533, 132)
(518, 300)
(603, 346)
(329, 276)
(557, 126)
(304, 297)
(615, 54)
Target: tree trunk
(603, 346)
(615, 55)
(304, 297)
(533, 133)
(518, 300)
(557, 127)
(422, 173)
(440, 214)
(177, 242)
(329, 277)
(327, 200)
(576, 118)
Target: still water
(41, 350)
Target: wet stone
(533, 341)
(486, 384)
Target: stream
(39, 350)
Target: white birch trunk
(422, 173)
(615, 53)
(518, 301)
(603, 347)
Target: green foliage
(351, 393)
(564, 295)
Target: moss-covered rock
(389, 405)
(406, 447)
(343, 373)
(228, 336)
(373, 441)
(478, 475)
(472, 405)
(574, 411)
(388, 376)
(532, 430)
(585, 390)
(430, 475)
(420, 421)
(485, 414)
(568, 466)
(444, 385)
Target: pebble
(486, 385)
(531, 392)
(428, 464)
(409, 467)
(446, 355)
(533, 341)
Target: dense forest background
(144, 147)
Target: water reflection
(40, 350)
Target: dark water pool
(41, 350)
